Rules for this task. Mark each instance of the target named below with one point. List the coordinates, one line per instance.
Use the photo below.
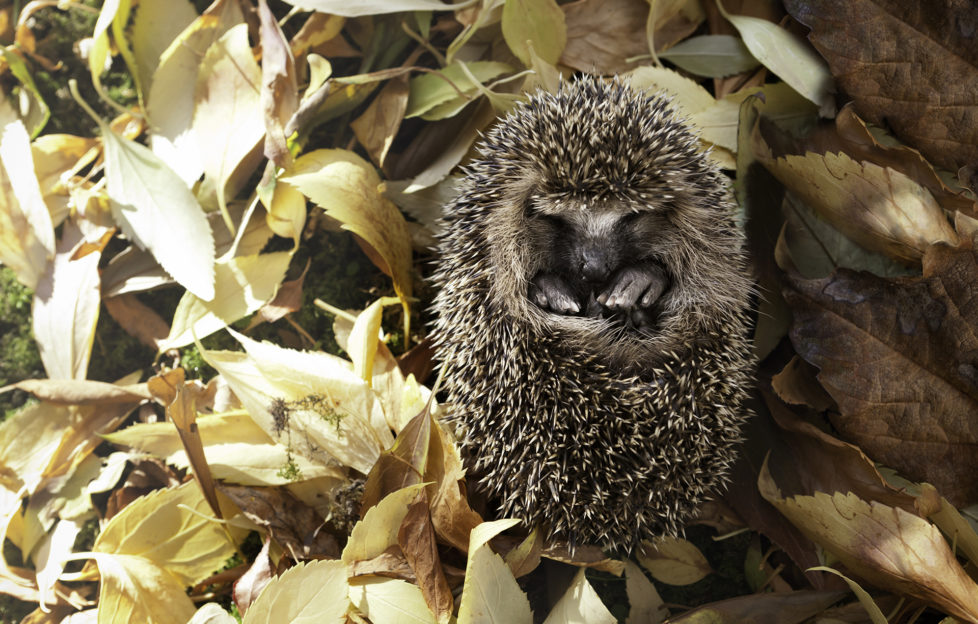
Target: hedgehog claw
(635, 286)
(550, 292)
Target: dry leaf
(885, 545)
(539, 23)
(259, 574)
(603, 35)
(911, 67)
(771, 608)
(580, 604)
(896, 355)
(138, 319)
(279, 88)
(378, 125)
(390, 600)
(674, 561)
(312, 591)
(416, 538)
(135, 589)
(380, 525)
(490, 592)
(645, 605)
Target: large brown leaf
(899, 357)
(913, 65)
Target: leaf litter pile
(172, 164)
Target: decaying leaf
(896, 355)
(416, 537)
(605, 37)
(279, 87)
(910, 66)
(886, 545)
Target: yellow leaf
(26, 230)
(66, 308)
(134, 589)
(349, 189)
(580, 604)
(315, 591)
(887, 546)
(212, 613)
(172, 529)
(364, 339)
(490, 592)
(287, 214)
(237, 450)
(154, 27)
(390, 600)
(241, 286)
(348, 425)
(378, 530)
(229, 121)
(645, 605)
(674, 561)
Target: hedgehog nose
(594, 265)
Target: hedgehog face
(597, 259)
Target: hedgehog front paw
(550, 292)
(635, 286)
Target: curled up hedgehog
(593, 317)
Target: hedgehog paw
(635, 286)
(552, 293)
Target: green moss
(19, 358)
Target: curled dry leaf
(889, 547)
(416, 538)
(910, 65)
(878, 207)
(377, 126)
(279, 88)
(897, 357)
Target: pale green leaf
(158, 212)
(789, 57)
(242, 285)
(450, 86)
(538, 21)
(580, 604)
(713, 56)
(315, 591)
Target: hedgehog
(592, 317)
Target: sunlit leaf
(379, 527)
(135, 589)
(315, 591)
(580, 604)
(450, 84)
(373, 7)
(390, 600)
(490, 592)
(155, 25)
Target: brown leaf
(796, 385)
(525, 557)
(378, 125)
(288, 299)
(898, 357)
(416, 537)
(401, 465)
(786, 608)
(451, 514)
(294, 525)
(911, 65)
(138, 319)
(603, 34)
(182, 412)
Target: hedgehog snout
(595, 265)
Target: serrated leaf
(379, 527)
(158, 213)
(713, 56)
(390, 600)
(580, 604)
(346, 426)
(538, 21)
(490, 592)
(315, 591)
(134, 589)
(174, 530)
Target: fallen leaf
(896, 355)
(416, 537)
(867, 602)
(210, 613)
(604, 37)
(296, 527)
(887, 546)
(82, 392)
(538, 21)
(922, 85)
(26, 230)
(135, 589)
(441, 94)
(66, 307)
(580, 604)
(380, 526)
(674, 561)
(771, 608)
(377, 126)
(376, 7)
(714, 56)
(490, 592)
(155, 25)
(172, 529)
(279, 87)
(311, 591)
(390, 600)
(138, 319)
(645, 605)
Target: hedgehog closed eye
(592, 317)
